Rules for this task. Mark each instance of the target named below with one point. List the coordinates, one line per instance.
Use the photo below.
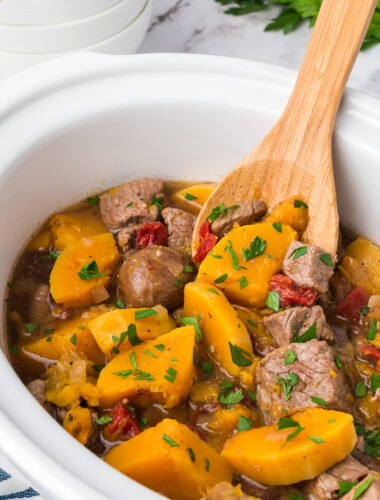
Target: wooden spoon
(294, 158)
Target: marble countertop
(200, 26)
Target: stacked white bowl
(32, 31)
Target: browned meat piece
(126, 238)
(308, 269)
(326, 486)
(313, 374)
(359, 451)
(372, 493)
(285, 325)
(38, 388)
(257, 490)
(130, 203)
(154, 275)
(39, 308)
(246, 213)
(180, 226)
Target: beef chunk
(326, 486)
(252, 488)
(283, 326)
(126, 238)
(130, 203)
(372, 493)
(39, 307)
(246, 213)
(180, 226)
(154, 275)
(37, 388)
(316, 375)
(308, 270)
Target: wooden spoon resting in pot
(294, 158)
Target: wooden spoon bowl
(294, 158)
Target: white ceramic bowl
(70, 36)
(127, 41)
(88, 122)
(36, 12)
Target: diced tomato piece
(353, 304)
(290, 293)
(369, 350)
(151, 233)
(207, 241)
(123, 426)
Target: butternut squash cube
(72, 338)
(361, 265)
(171, 459)
(40, 242)
(66, 286)
(324, 438)
(286, 213)
(109, 326)
(157, 371)
(248, 285)
(194, 197)
(68, 228)
(78, 423)
(220, 325)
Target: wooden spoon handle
(305, 128)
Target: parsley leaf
(171, 374)
(300, 203)
(288, 383)
(360, 389)
(188, 269)
(298, 252)
(15, 350)
(145, 313)
(159, 202)
(90, 271)
(234, 258)
(375, 382)
(191, 454)
(277, 226)
(219, 210)
(160, 347)
(285, 423)
(345, 487)
(316, 439)
(244, 423)
(207, 367)
(132, 358)
(256, 248)
(231, 398)
(310, 334)
(295, 433)
(190, 197)
(237, 355)
(319, 401)
(213, 291)
(98, 367)
(243, 282)
(365, 310)
(363, 487)
(52, 256)
(169, 440)
(31, 327)
(326, 259)
(221, 278)
(105, 419)
(372, 331)
(207, 462)
(273, 301)
(120, 304)
(290, 358)
(337, 361)
(192, 320)
(73, 339)
(123, 374)
(93, 200)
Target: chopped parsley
(49, 330)
(250, 322)
(219, 210)
(129, 204)
(221, 278)
(237, 355)
(345, 487)
(234, 258)
(309, 334)
(228, 397)
(213, 291)
(207, 462)
(188, 269)
(290, 358)
(288, 383)
(365, 310)
(273, 301)
(123, 374)
(98, 367)
(298, 252)
(105, 419)
(49, 339)
(243, 282)
(171, 374)
(294, 434)
(179, 282)
(90, 271)
(207, 367)
(160, 347)
(9, 284)
(256, 248)
(159, 202)
(316, 439)
(149, 353)
(363, 487)
(319, 401)
(216, 256)
(192, 320)
(300, 203)
(52, 256)
(252, 394)
(120, 304)
(244, 423)
(277, 226)
(132, 359)
(31, 327)
(372, 331)
(169, 440)
(375, 382)
(360, 389)
(190, 197)
(73, 339)
(337, 361)
(285, 423)
(145, 313)
(191, 454)
(82, 327)
(294, 496)
(15, 350)
(326, 259)
(195, 355)
(93, 200)
(371, 440)
(143, 421)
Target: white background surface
(199, 26)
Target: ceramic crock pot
(87, 122)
